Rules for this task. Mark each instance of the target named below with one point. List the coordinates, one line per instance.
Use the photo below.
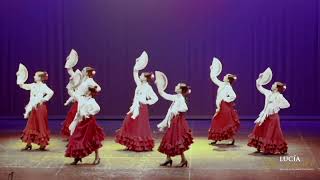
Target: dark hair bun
(232, 78)
(149, 76)
(281, 87)
(43, 75)
(185, 89)
(90, 71)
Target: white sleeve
(26, 86)
(48, 93)
(166, 96)
(70, 92)
(94, 108)
(216, 81)
(283, 103)
(153, 98)
(261, 89)
(70, 72)
(92, 84)
(182, 106)
(136, 77)
(231, 95)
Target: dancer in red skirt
(178, 136)
(267, 134)
(86, 135)
(74, 83)
(37, 130)
(225, 122)
(135, 132)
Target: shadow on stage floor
(205, 162)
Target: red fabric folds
(65, 132)
(136, 134)
(225, 124)
(177, 138)
(268, 137)
(37, 130)
(86, 138)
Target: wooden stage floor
(205, 162)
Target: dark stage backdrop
(180, 36)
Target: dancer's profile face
(84, 72)
(274, 87)
(37, 77)
(177, 89)
(225, 78)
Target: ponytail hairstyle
(231, 78)
(44, 76)
(281, 87)
(149, 76)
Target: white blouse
(178, 105)
(87, 106)
(87, 83)
(144, 94)
(39, 93)
(81, 89)
(225, 92)
(274, 101)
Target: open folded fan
(216, 67)
(141, 61)
(266, 77)
(72, 59)
(161, 80)
(22, 74)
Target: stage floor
(205, 162)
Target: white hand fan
(161, 80)
(141, 61)
(22, 74)
(216, 67)
(266, 77)
(72, 59)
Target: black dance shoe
(28, 147)
(168, 162)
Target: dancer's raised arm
(166, 96)
(216, 81)
(260, 88)
(136, 77)
(70, 71)
(25, 86)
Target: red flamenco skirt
(136, 134)
(177, 138)
(70, 116)
(86, 138)
(225, 124)
(268, 137)
(37, 130)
